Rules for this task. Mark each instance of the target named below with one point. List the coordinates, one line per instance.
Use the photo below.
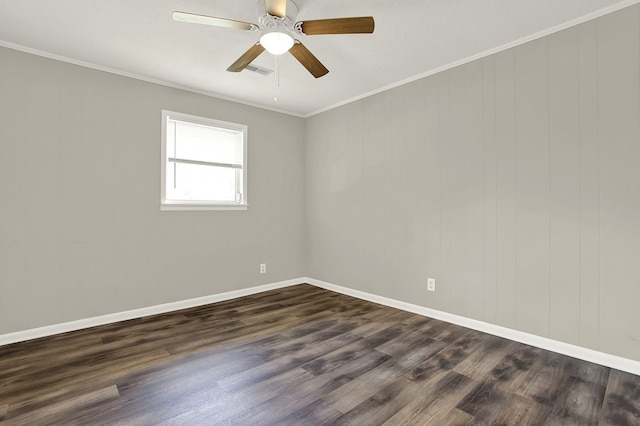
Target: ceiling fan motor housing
(268, 22)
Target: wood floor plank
(61, 381)
(489, 403)
(292, 356)
(456, 418)
(621, 404)
(183, 373)
(345, 354)
(305, 307)
(584, 370)
(54, 371)
(543, 382)
(512, 371)
(310, 341)
(302, 355)
(382, 405)
(229, 406)
(440, 330)
(445, 359)
(405, 340)
(204, 340)
(350, 395)
(437, 399)
(315, 413)
(310, 391)
(151, 409)
(578, 402)
(516, 411)
(25, 413)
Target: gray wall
(81, 232)
(513, 180)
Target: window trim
(168, 205)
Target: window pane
(198, 183)
(204, 143)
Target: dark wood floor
(302, 355)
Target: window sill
(201, 207)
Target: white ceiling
(412, 38)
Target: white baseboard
(579, 352)
(574, 351)
(34, 333)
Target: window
(203, 163)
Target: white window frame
(172, 205)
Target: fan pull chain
(277, 72)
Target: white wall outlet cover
(431, 284)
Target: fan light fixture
(276, 20)
(276, 42)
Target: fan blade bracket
(356, 25)
(297, 28)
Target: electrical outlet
(431, 284)
(263, 268)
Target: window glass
(203, 163)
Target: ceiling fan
(276, 21)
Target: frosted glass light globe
(276, 43)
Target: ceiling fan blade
(192, 18)
(276, 7)
(246, 58)
(306, 58)
(361, 25)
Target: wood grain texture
(308, 60)
(622, 400)
(246, 58)
(358, 25)
(302, 355)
